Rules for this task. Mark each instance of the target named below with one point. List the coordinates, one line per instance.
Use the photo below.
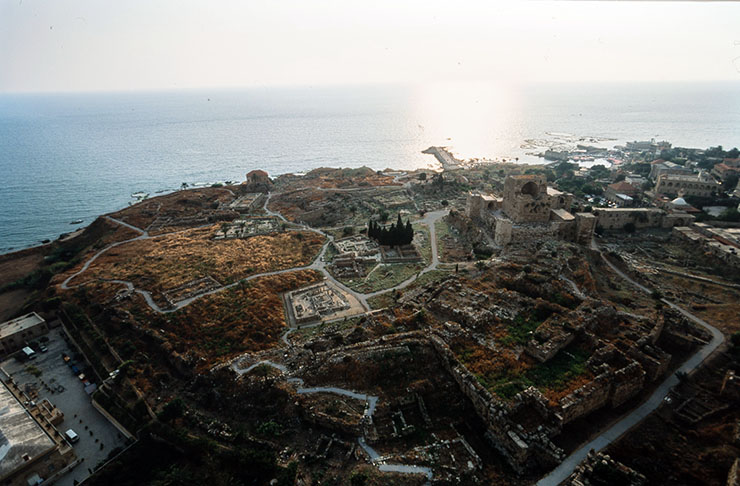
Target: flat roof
(8, 328)
(627, 210)
(20, 435)
(563, 214)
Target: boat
(76, 221)
(140, 194)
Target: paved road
(613, 433)
(429, 219)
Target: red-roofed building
(723, 171)
(622, 193)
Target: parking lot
(55, 381)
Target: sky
(93, 45)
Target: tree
(438, 180)
(599, 171)
(630, 227)
(423, 176)
(396, 235)
(730, 214)
(183, 186)
(729, 184)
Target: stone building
(617, 218)
(661, 167)
(257, 181)
(621, 193)
(529, 210)
(16, 333)
(686, 185)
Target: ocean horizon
(73, 156)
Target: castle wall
(526, 199)
(585, 226)
(609, 218)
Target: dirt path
(318, 264)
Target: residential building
(14, 334)
(724, 171)
(622, 193)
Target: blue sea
(65, 157)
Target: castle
(528, 211)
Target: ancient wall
(586, 399)
(654, 361)
(525, 233)
(521, 449)
(628, 381)
(502, 236)
(585, 225)
(641, 217)
(526, 199)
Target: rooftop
(13, 326)
(21, 438)
(628, 210)
(623, 187)
(563, 215)
(686, 177)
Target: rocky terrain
(482, 365)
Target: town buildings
(16, 333)
(661, 167)
(31, 449)
(686, 185)
(622, 193)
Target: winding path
(318, 264)
(371, 403)
(566, 468)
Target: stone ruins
(245, 228)
(315, 303)
(529, 210)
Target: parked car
(71, 436)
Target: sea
(73, 156)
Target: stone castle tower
(526, 199)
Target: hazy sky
(72, 45)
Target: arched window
(531, 189)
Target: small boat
(139, 195)
(76, 221)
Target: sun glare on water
(475, 119)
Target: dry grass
(181, 204)
(163, 263)
(247, 317)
